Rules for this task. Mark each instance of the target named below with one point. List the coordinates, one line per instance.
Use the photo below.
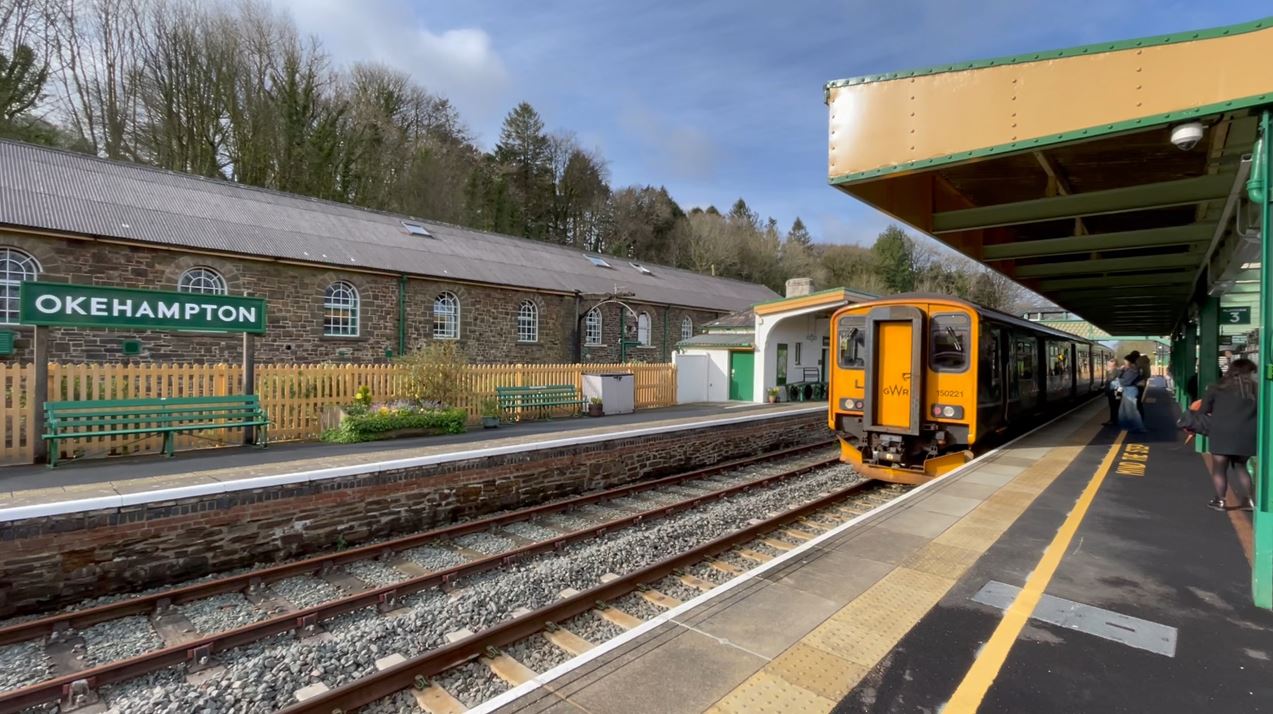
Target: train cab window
(949, 348)
(851, 335)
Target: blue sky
(715, 100)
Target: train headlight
(947, 411)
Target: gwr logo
(895, 390)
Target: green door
(740, 375)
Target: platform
(205, 471)
(1142, 594)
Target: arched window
(592, 327)
(202, 280)
(16, 267)
(528, 322)
(446, 317)
(340, 310)
(643, 329)
(687, 328)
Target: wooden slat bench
(139, 417)
(537, 399)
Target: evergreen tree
(21, 84)
(799, 235)
(525, 165)
(895, 260)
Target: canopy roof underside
(1059, 171)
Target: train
(919, 383)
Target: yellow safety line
(972, 690)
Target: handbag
(1197, 422)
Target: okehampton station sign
(64, 305)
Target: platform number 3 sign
(1235, 315)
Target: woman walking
(1232, 441)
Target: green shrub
(434, 374)
(374, 424)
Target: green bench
(538, 399)
(139, 417)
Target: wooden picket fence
(294, 396)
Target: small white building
(784, 343)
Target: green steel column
(1208, 351)
(1262, 566)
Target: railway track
(76, 682)
(417, 684)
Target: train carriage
(919, 382)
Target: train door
(895, 374)
(991, 387)
(1027, 360)
(1074, 370)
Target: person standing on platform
(1128, 414)
(1142, 387)
(1231, 403)
(1111, 391)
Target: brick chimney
(799, 286)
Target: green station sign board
(65, 305)
(1235, 315)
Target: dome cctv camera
(1187, 136)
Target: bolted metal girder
(1117, 200)
(1145, 238)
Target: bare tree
(97, 43)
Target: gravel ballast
(221, 612)
(21, 664)
(305, 590)
(119, 639)
(472, 683)
(263, 676)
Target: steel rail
(416, 671)
(307, 619)
(145, 604)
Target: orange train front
(919, 382)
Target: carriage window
(991, 386)
(949, 352)
(1025, 360)
(1058, 358)
(851, 334)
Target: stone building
(341, 283)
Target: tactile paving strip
(820, 672)
(765, 693)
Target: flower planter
(490, 422)
(596, 410)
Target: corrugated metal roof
(734, 320)
(65, 192)
(721, 339)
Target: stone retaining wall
(56, 560)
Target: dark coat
(1233, 421)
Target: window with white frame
(16, 267)
(528, 322)
(592, 327)
(340, 310)
(687, 328)
(643, 329)
(202, 280)
(446, 317)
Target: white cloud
(460, 63)
(674, 151)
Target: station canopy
(1059, 170)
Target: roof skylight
(642, 269)
(598, 261)
(416, 229)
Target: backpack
(1195, 421)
